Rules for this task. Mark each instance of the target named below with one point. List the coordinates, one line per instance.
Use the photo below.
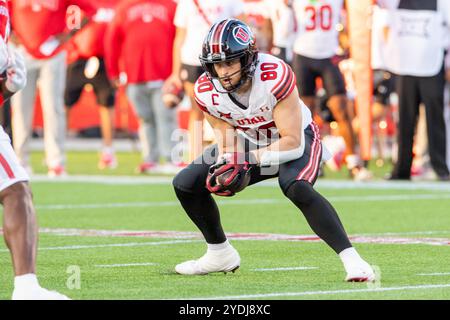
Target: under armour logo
(225, 115)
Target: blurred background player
(193, 19)
(87, 66)
(416, 42)
(315, 46)
(283, 28)
(383, 80)
(257, 17)
(19, 219)
(140, 38)
(39, 31)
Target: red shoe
(146, 167)
(180, 165)
(416, 171)
(58, 171)
(107, 161)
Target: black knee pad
(301, 192)
(193, 178)
(190, 180)
(183, 182)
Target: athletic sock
(350, 256)
(26, 282)
(219, 246)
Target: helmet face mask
(228, 40)
(229, 73)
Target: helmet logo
(241, 35)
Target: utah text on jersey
(273, 81)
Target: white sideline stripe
(125, 265)
(434, 274)
(329, 292)
(130, 244)
(285, 269)
(330, 184)
(398, 197)
(403, 233)
(147, 204)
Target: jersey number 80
(268, 71)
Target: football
(172, 96)
(223, 177)
(239, 183)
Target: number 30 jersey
(272, 82)
(317, 35)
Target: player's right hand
(16, 72)
(229, 175)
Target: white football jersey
(197, 16)
(272, 82)
(317, 35)
(417, 38)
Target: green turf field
(88, 249)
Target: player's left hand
(16, 72)
(229, 175)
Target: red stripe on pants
(6, 167)
(313, 164)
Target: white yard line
(243, 202)
(404, 233)
(434, 274)
(125, 265)
(327, 292)
(112, 245)
(329, 184)
(284, 269)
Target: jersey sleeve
(284, 83)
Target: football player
(19, 219)
(264, 131)
(315, 47)
(86, 65)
